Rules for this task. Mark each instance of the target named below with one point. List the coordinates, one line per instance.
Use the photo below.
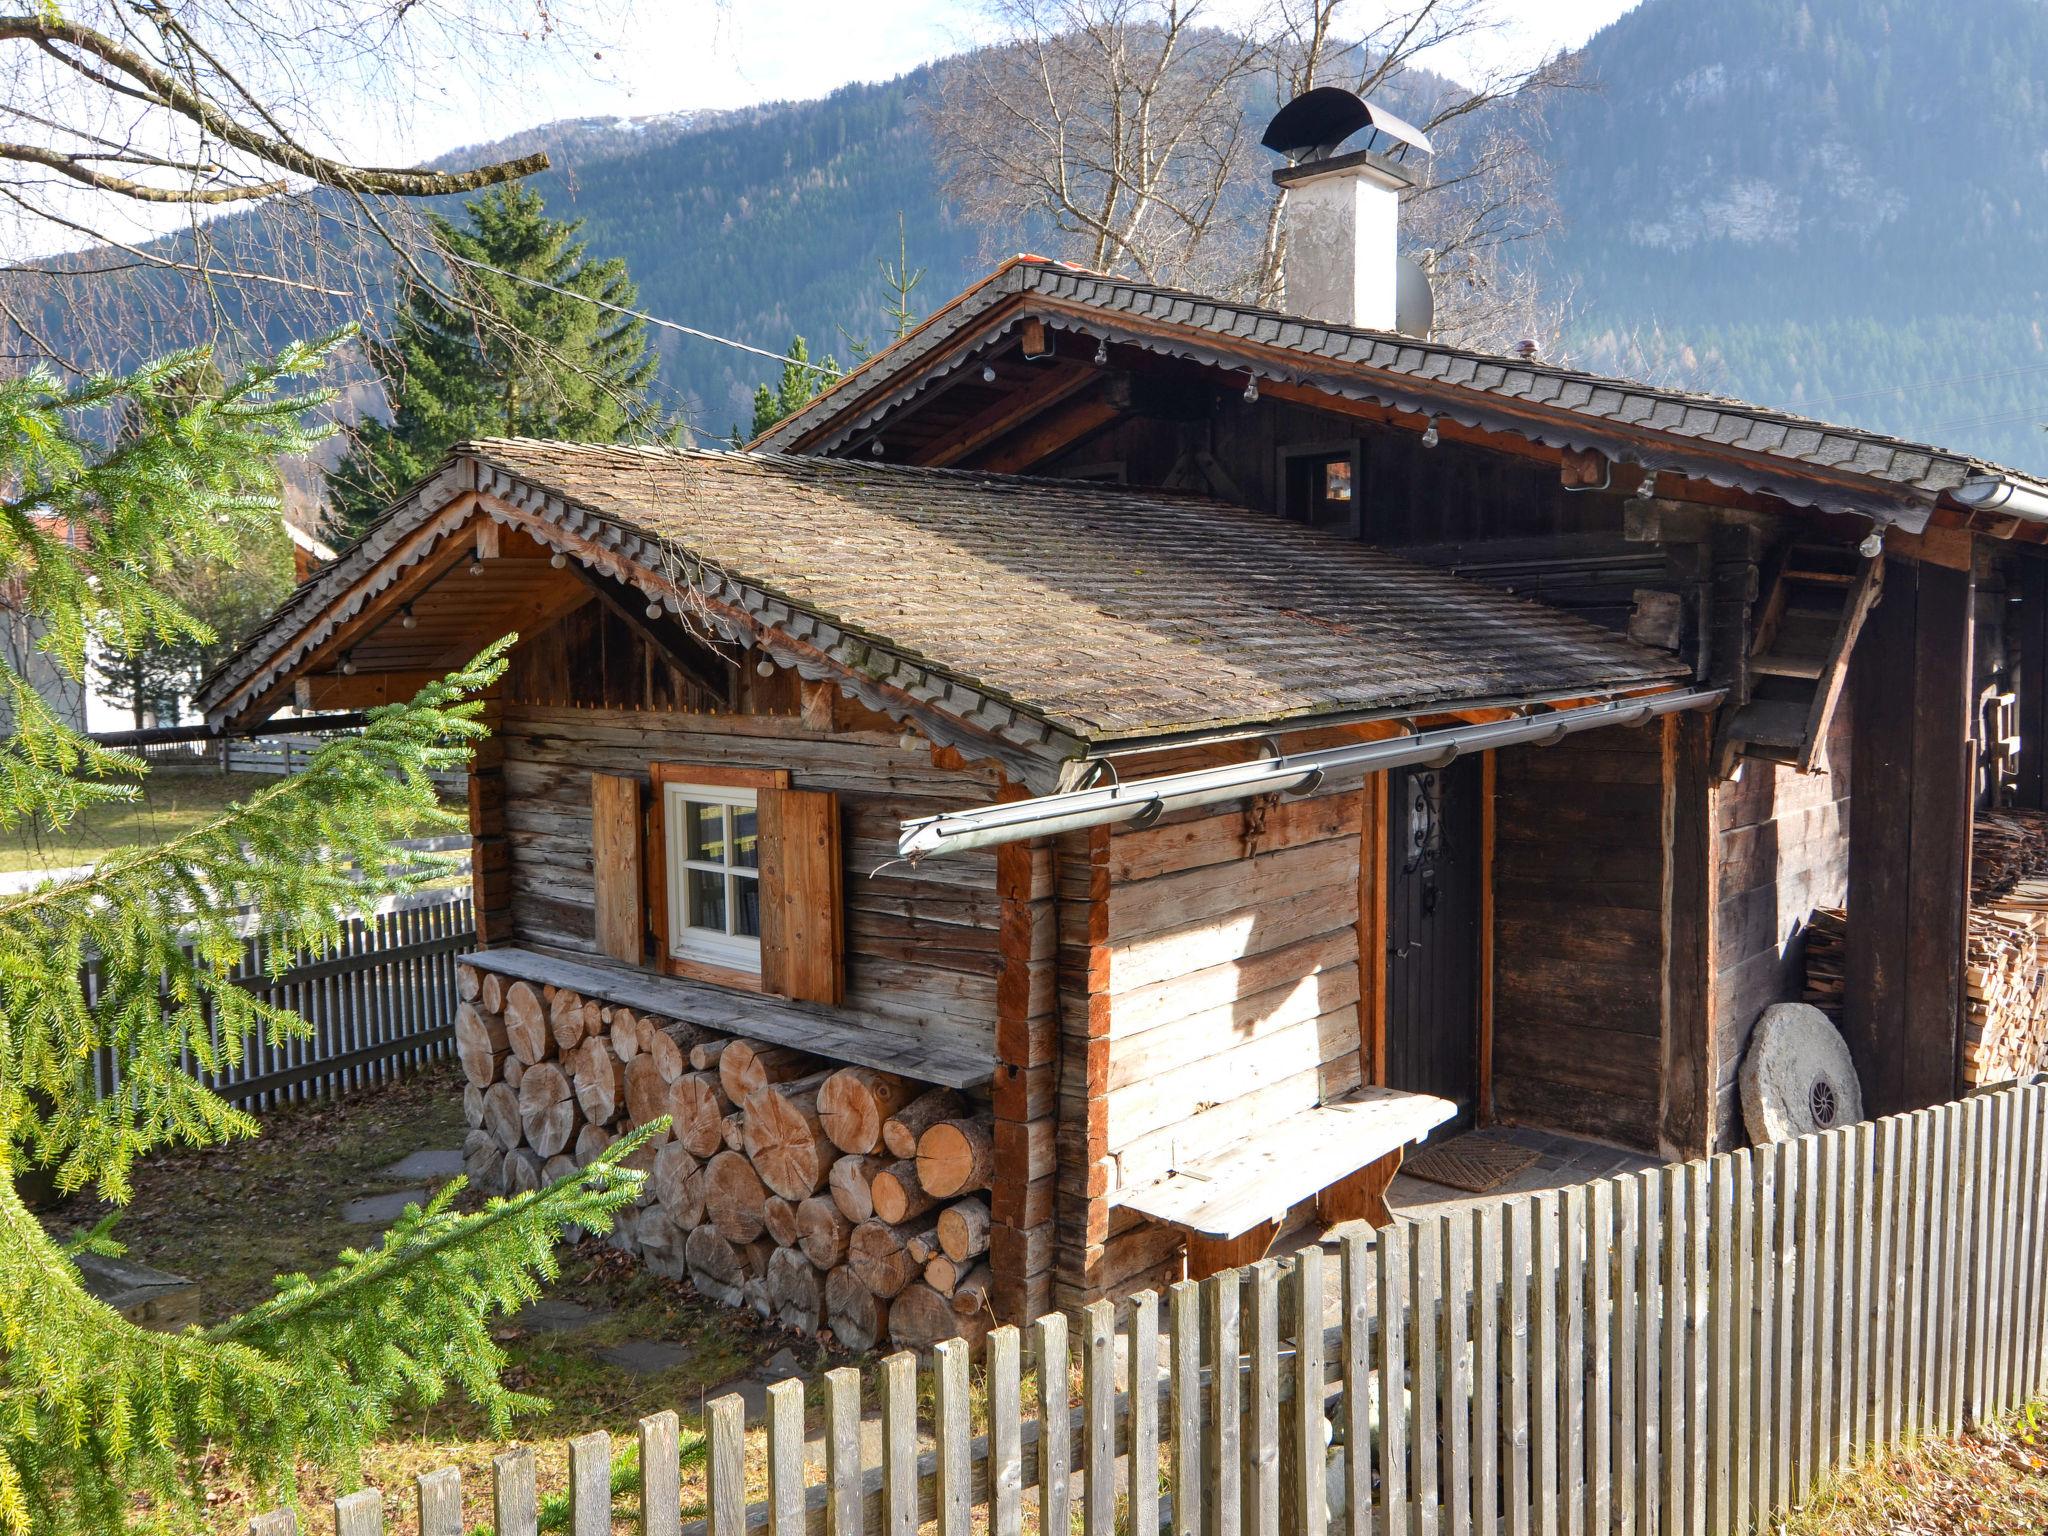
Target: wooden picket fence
(380, 1003)
(1686, 1350)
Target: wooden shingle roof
(1103, 612)
(1715, 438)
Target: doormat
(1477, 1165)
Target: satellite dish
(1316, 122)
(1414, 304)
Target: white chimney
(1343, 213)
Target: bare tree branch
(1124, 127)
(156, 86)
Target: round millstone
(1797, 1077)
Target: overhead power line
(642, 315)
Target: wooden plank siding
(1209, 982)
(1578, 901)
(1781, 849)
(922, 946)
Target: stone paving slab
(431, 1163)
(646, 1357)
(382, 1210)
(552, 1315)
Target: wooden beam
(669, 637)
(1488, 767)
(445, 525)
(361, 690)
(1058, 429)
(1034, 338)
(1913, 770)
(1048, 387)
(1689, 1068)
(1372, 931)
(2030, 787)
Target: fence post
(950, 1429)
(661, 1493)
(786, 1460)
(726, 1474)
(1005, 1442)
(1356, 1256)
(1186, 1310)
(843, 1473)
(1055, 1428)
(1098, 1419)
(1144, 1396)
(440, 1494)
(514, 1507)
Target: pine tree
(802, 381)
(105, 1423)
(554, 366)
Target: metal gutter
(1144, 801)
(2003, 493)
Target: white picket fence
(1687, 1350)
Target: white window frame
(730, 951)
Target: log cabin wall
(1496, 517)
(1579, 872)
(1781, 849)
(1209, 982)
(962, 947)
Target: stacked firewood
(2005, 980)
(822, 1195)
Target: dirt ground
(232, 1217)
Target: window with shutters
(714, 875)
(743, 881)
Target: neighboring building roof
(1104, 613)
(1709, 436)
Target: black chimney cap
(1311, 126)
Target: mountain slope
(1829, 205)
(1836, 206)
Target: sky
(732, 53)
(630, 58)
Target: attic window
(1323, 485)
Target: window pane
(707, 900)
(746, 851)
(704, 831)
(1337, 480)
(746, 906)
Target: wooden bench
(1342, 1154)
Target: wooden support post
(1484, 1108)
(1212, 1255)
(1913, 771)
(1372, 930)
(2031, 784)
(1361, 1196)
(1691, 894)
(1025, 1087)
(490, 850)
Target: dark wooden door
(1433, 833)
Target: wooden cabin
(1019, 891)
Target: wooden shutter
(616, 853)
(803, 946)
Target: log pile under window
(827, 1197)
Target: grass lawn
(172, 801)
(232, 1217)
(1993, 1480)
